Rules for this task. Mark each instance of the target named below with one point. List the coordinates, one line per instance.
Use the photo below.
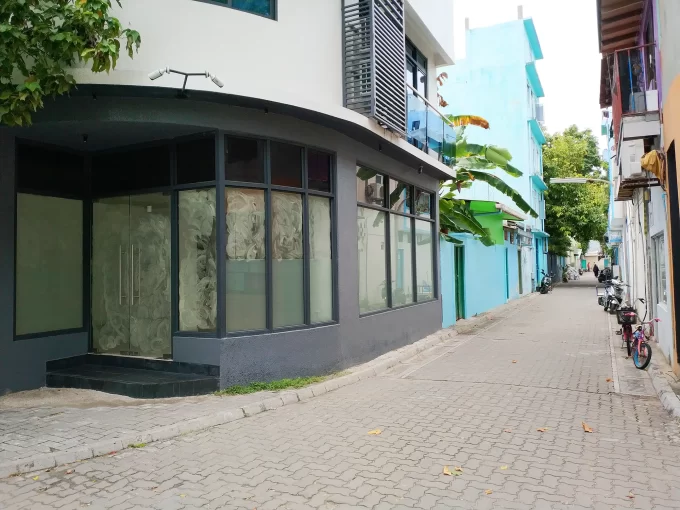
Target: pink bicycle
(637, 342)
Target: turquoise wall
(448, 284)
(485, 277)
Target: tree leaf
(375, 432)
(586, 428)
(501, 186)
(468, 120)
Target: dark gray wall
(22, 363)
(263, 357)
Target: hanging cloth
(654, 161)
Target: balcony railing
(633, 83)
(428, 129)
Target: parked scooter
(546, 283)
(605, 275)
(613, 295)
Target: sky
(570, 69)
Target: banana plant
(471, 162)
(455, 217)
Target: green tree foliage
(574, 210)
(41, 39)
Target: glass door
(131, 302)
(150, 303)
(111, 275)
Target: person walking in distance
(596, 270)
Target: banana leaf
(468, 120)
(501, 186)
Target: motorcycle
(605, 275)
(546, 283)
(613, 295)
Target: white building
(224, 224)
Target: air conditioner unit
(374, 192)
(631, 154)
(540, 114)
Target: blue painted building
(498, 80)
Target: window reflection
(197, 260)
(287, 260)
(244, 160)
(320, 260)
(372, 261)
(246, 299)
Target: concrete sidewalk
(43, 437)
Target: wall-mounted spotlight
(154, 75)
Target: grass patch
(281, 384)
(137, 445)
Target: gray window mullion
(388, 261)
(306, 276)
(221, 240)
(268, 237)
(414, 261)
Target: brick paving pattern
(28, 432)
(463, 404)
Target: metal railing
(428, 129)
(633, 83)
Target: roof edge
(533, 38)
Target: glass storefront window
(246, 299)
(424, 260)
(244, 159)
(372, 262)
(49, 264)
(197, 260)
(286, 165)
(319, 170)
(320, 260)
(409, 246)
(287, 260)
(401, 237)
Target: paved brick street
(464, 404)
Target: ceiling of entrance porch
(619, 23)
(103, 135)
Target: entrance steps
(132, 377)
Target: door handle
(120, 275)
(132, 275)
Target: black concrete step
(133, 377)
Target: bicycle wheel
(643, 357)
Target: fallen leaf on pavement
(586, 427)
(609, 379)
(543, 429)
(504, 468)
(36, 478)
(507, 430)
(514, 361)
(447, 471)
(182, 495)
(112, 453)
(459, 469)
(488, 491)
(70, 471)
(375, 432)
(631, 495)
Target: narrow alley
(503, 407)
